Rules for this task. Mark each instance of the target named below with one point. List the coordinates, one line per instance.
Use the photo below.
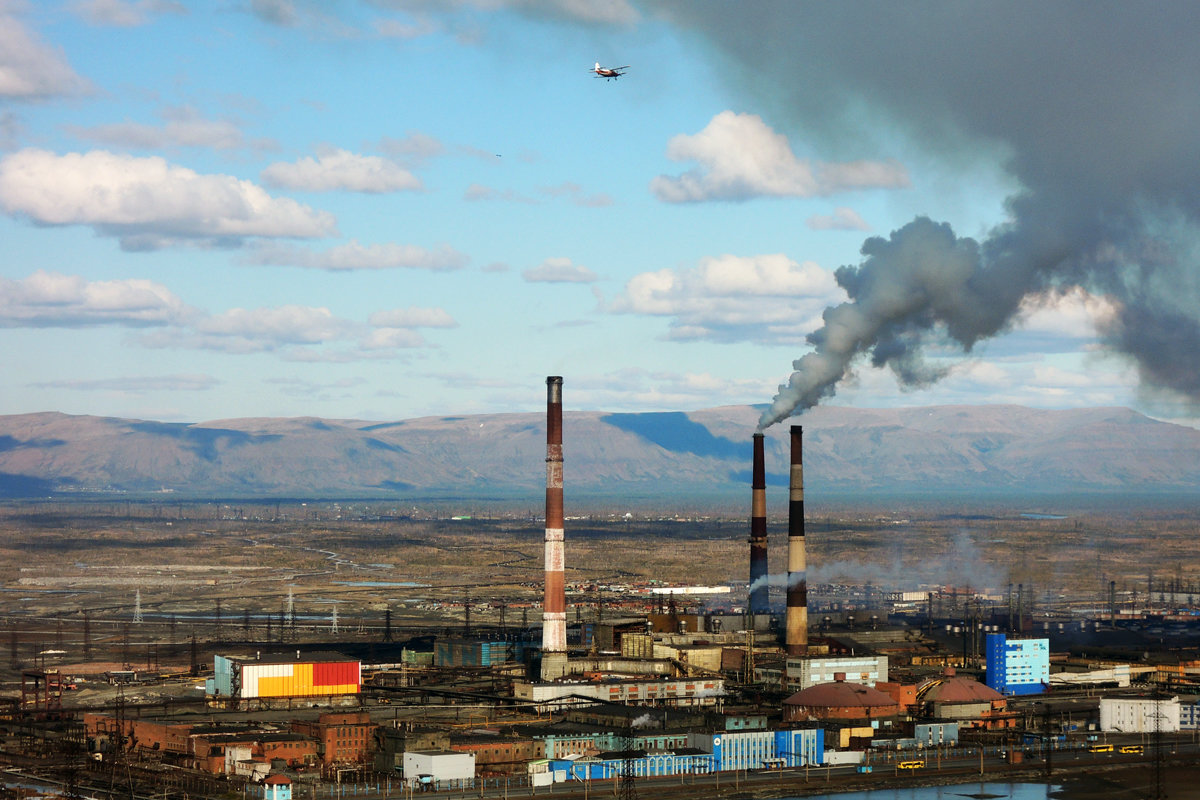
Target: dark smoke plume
(1092, 108)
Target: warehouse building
(266, 677)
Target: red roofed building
(841, 701)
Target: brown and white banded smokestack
(758, 532)
(797, 585)
(554, 607)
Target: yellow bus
(911, 765)
(1100, 748)
(1132, 749)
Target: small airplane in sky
(608, 72)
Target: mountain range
(634, 458)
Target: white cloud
(413, 317)
(640, 390)
(575, 194)
(341, 170)
(148, 202)
(182, 127)
(138, 384)
(740, 158)
(415, 147)
(51, 299)
(478, 191)
(354, 256)
(124, 13)
(393, 339)
(559, 270)
(268, 328)
(29, 68)
(842, 219)
(1075, 313)
(767, 298)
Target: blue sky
(384, 209)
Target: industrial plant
(624, 685)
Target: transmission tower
(333, 627)
(137, 607)
(628, 788)
(289, 615)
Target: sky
(386, 209)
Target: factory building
(1017, 666)
(1139, 714)
(342, 738)
(475, 653)
(839, 701)
(802, 673)
(762, 749)
(610, 766)
(439, 770)
(968, 702)
(268, 676)
(679, 692)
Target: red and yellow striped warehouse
(295, 674)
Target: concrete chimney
(797, 585)
(554, 607)
(758, 603)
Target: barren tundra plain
(122, 578)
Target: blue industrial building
(1018, 666)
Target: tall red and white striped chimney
(758, 602)
(797, 585)
(554, 607)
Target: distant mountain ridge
(664, 455)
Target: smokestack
(554, 607)
(758, 533)
(797, 585)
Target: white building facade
(1139, 715)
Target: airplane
(608, 72)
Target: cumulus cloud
(1073, 312)
(478, 191)
(257, 330)
(341, 170)
(182, 127)
(148, 202)
(575, 194)
(124, 13)
(768, 298)
(355, 256)
(842, 219)
(51, 299)
(740, 157)
(413, 317)
(29, 68)
(415, 147)
(559, 270)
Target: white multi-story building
(803, 672)
(1139, 715)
